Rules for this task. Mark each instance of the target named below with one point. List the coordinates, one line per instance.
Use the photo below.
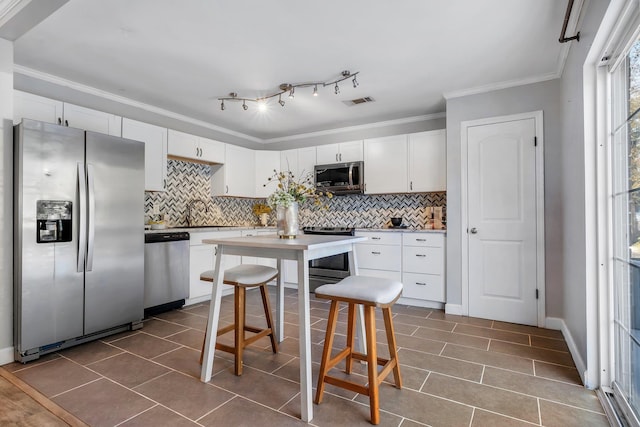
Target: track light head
(337, 89)
(291, 92)
(355, 82)
(244, 105)
(222, 105)
(280, 101)
(315, 90)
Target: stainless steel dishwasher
(166, 271)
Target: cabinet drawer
(423, 260)
(378, 257)
(198, 237)
(423, 286)
(381, 237)
(393, 275)
(423, 239)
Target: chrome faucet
(190, 206)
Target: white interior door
(501, 184)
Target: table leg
(280, 302)
(214, 315)
(360, 331)
(306, 407)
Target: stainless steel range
(329, 269)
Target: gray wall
(572, 167)
(6, 202)
(539, 96)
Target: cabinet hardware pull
(421, 284)
(421, 255)
(421, 240)
(59, 121)
(410, 185)
(340, 156)
(226, 191)
(336, 157)
(66, 123)
(215, 251)
(375, 253)
(375, 238)
(164, 183)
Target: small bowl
(396, 222)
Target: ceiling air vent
(358, 101)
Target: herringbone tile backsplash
(188, 181)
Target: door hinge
(537, 294)
(535, 141)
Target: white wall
(6, 201)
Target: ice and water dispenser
(53, 218)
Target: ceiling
(181, 56)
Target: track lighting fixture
(290, 87)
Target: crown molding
(127, 101)
(500, 85)
(357, 127)
(9, 8)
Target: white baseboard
(560, 325)
(453, 309)
(6, 355)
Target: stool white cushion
(244, 274)
(374, 290)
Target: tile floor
(457, 371)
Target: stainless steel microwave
(340, 178)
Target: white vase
(287, 221)
(264, 219)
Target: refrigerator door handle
(82, 216)
(91, 225)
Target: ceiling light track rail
(291, 88)
(563, 34)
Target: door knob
(473, 230)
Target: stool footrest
(338, 358)
(256, 337)
(224, 347)
(349, 385)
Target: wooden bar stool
(242, 277)
(371, 292)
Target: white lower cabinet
(270, 262)
(423, 266)
(415, 259)
(380, 255)
(202, 258)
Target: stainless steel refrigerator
(79, 236)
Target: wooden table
(304, 248)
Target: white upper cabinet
(338, 153)
(28, 106)
(300, 161)
(266, 163)
(36, 107)
(155, 151)
(385, 164)
(237, 176)
(211, 151)
(428, 161)
(186, 146)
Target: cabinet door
(155, 151)
(290, 271)
(306, 161)
(327, 154)
(385, 161)
(92, 120)
(29, 106)
(182, 145)
(289, 161)
(211, 151)
(237, 176)
(200, 260)
(351, 151)
(428, 161)
(267, 162)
